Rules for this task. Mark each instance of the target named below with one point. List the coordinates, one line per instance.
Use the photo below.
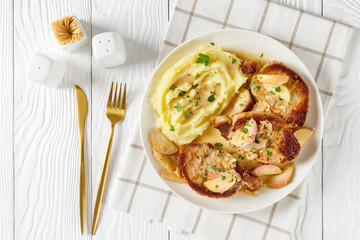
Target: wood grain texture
(46, 129)
(142, 25)
(346, 11)
(6, 120)
(341, 208)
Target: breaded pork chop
(262, 137)
(200, 163)
(293, 112)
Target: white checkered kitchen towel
(319, 42)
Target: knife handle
(82, 183)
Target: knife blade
(82, 111)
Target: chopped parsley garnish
(194, 86)
(267, 137)
(244, 130)
(172, 128)
(197, 76)
(233, 61)
(231, 180)
(280, 99)
(204, 178)
(186, 115)
(278, 128)
(178, 107)
(203, 59)
(173, 87)
(212, 43)
(214, 168)
(216, 186)
(218, 144)
(211, 98)
(182, 93)
(241, 104)
(257, 141)
(223, 169)
(256, 88)
(269, 153)
(207, 154)
(197, 101)
(251, 84)
(262, 54)
(223, 178)
(247, 123)
(278, 89)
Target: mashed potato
(195, 89)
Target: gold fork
(114, 113)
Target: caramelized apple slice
(222, 183)
(265, 170)
(246, 135)
(171, 176)
(303, 134)
(282, 179)
(169, 162)
(281, 91)
(273, 79)
(161, 143)
(241, 102)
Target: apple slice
(161, 143)
(256, 146)
(171, 176)
(303, 134)
(265, 170)
(222, 183)
(241, 102)
(245, 135)
(276, 80)
(280, 91)
(282, 179)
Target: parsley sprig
(203, 59)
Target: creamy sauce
(212, 135)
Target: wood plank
(6, 120)
(46, 129)
(346, 11)
(341, 137)
(143, 25)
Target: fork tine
(110, 95)
(123, 104)
(115, 97)
(119, 98)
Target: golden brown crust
(249, 67)
(193, 164)
(294, 113)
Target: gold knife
(82, 111)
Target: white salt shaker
(109, 49)
(46, 70)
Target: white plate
(273, 50)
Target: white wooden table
(39, 161)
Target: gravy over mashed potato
(194, 90)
